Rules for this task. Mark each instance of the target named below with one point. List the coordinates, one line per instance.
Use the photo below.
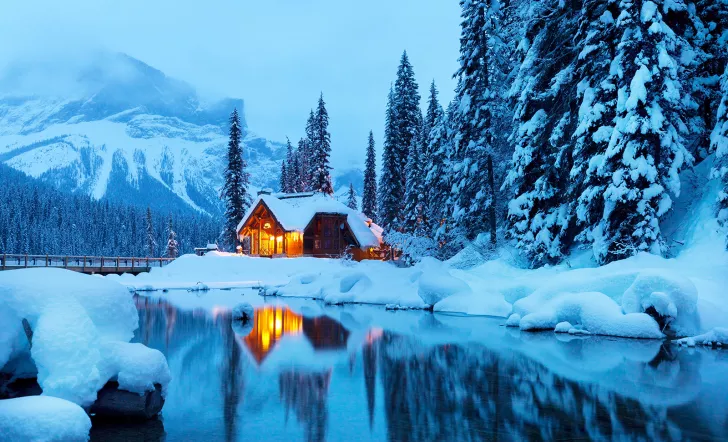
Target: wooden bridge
(102, 265)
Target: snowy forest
(38, 219)
(570, 126)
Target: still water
(305, 371)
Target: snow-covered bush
(412, 247)
(81, 326)
(671, 300)
(38, 418)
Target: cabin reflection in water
(271, 324)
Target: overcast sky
(275, 54)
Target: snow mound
(80, 326)
(514, 320)
(40, 418)
(243, 312)
(717, 337)
(593, 312)
(136, 367)
(481, 304)
(434, 286)
(673, 300)
(563, 327)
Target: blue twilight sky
(276, 54)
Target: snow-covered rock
(514, 320)
(591, 311)
(42, 419)
(716, 337)
(674, 299)
(81, 326)
(243, 312)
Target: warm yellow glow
(266, 226)
(271, 323)
(279, 239)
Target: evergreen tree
(235, 188)
(172, 245)
(283, 181)
(413, 221)
(310, 150)
(473, 192)
(304, 161)
(719, 143)
(597, 95)
(151, 242)
(436, 176)
(407, 126)
(291, 177)
(434, 113)
(646, 151)
(369, 198)
(391, 189)
(322, 150)
(351, 198)
(539, 210)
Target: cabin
(307, 224)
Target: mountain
(113, 127)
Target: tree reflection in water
(422, 391)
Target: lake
(306, 371)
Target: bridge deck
(103, 265)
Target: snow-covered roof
(294, 211)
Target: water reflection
(301, 376)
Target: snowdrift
(80, 328)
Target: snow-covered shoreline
(684, 293)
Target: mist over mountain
(111, 126)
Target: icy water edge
(306, 371)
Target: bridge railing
(15, 261)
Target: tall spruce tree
(151, 248)
(235, 188)
(391, 186)
(542, 94)
(291, 169)
(172, 245)
(351, 198)
(434, 112)
(597, 95)
(310, 150)
(407, 125)
(369, 198)
(719, 143)
(322, 150)
(304, 165)
(646, 150)
(414, 211)
(283, 181)
(473, 192)
(437, 173)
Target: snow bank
(40, 418)
(81, 326)
(592, 311)
(717, 337)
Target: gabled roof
(294, 211)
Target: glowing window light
(266, 226)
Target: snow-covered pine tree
(369, 198)
(391, 187)
(407, 126)
(436, 184)
(291, 170)
(283, 181)
(646, 150)
(414, 221)
(304, 165)
(719, 143)
(172, 245)
(351, 198)
(235, 187)
(597, 95)
(434, 111)
(310, 151)
(543, 97)
(473, 191)
(322, 150)
(151, 241)
(710, 43)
